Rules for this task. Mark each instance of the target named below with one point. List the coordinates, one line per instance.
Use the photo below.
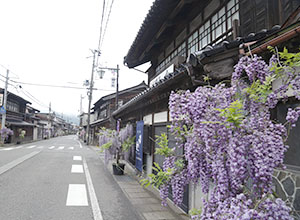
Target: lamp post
(100, 70)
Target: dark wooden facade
(195, 39)
(16, 117)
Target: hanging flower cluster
(5, 132)
(116, 143)
(231, 145)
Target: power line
(101, 24)
(57, 86)
(9, 70)
(106, 23)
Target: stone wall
(287, 187)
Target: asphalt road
(59, 179)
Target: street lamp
(101, 71)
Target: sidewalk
(146, 202)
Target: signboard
(1, 99)
(2, 110)
(139, 145)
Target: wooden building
(106, 105)
(186, 40)
(16, 117)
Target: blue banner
(139, 145)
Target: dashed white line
(94, 201)
(60, 148)
(51, 147)
(77, 195)
(30, 147)
(9, 148)
(77, 169)
(40, 147)
(19, 147)
(77, 158)
(71, 148)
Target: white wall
(161, 117)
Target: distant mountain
(71, 118)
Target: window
(193, 42)
(218, 24)
(204, 35)
(232, 12)
(180, 51)
(213, 31)
(12, 106)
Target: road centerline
(77, 195)
(77, 168)
(79, 158)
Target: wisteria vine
(231, 145)
(116, 144)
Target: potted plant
(116, 144)
(22, 134)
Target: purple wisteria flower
(232, 150)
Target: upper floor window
(193, 42)
(218, 24)
(12, 106)
(179, 51)
(232, 12)
(216, 29)
(204, 35)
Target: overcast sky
(48, 42)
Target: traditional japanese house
(186, 41)
(16, 118)
(31, 117)
(105, 106)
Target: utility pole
(80, 111)
(117, 92)
(49, 121)
(90, 93)
(5, 101)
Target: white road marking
(60, 148)
(51, 147)
(77, 169)
(9, 148)
(40, 147)
(16, 162)
(93, 198)
(31, 147)
(19, 147)
(71, 148)
(77, 158)
(77, 195)
(79, 144)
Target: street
(58, 179)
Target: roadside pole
(90, 97)
(4, 101)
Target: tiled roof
(200, 55)
(151, 90)
(157, 14)
(225, 45)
